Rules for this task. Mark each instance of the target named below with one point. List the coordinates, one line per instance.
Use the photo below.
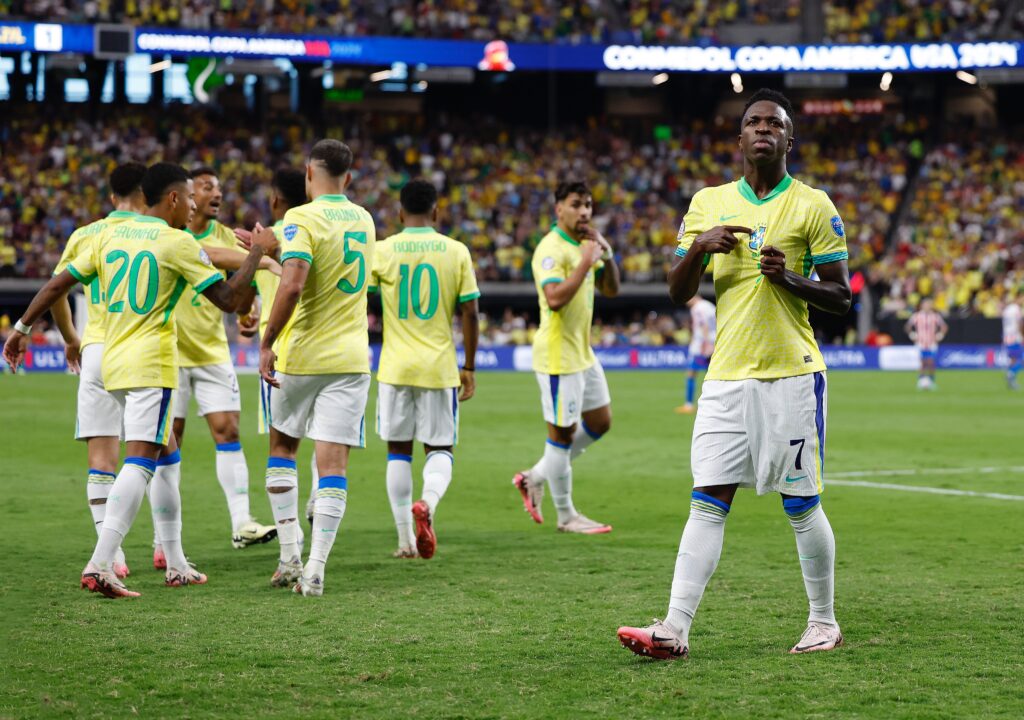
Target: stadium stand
(858, 21)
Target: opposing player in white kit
(702, 345)
(567, 265)
(1012, 339)
(926, 329)
(761, 419)
(317, 341)
(424, 278)
(99, 415)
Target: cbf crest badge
(757, 239)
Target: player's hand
(720, 239)
(244, 238)
(266, 239)
(73, 352)
(773, 264)
(592, 252)
(468, 378)
(248, 324)
(606, 247)
(14, 349)
(267, 359)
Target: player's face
(208, 196)
(765, 135)
(185, 205)
(575, 211)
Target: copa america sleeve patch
(547, 263)
(682, 231)
(290, 231)
(837, 226)
(204, 257)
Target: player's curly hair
(568, 187)
(290, 184)
(418, 197)
(158, 180)
(772, 96)
(126, 178)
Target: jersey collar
(419, 230)
(564, 235)
(333, 198)
(151, 219)
(205, 233)
(121, 214)
(748, 192)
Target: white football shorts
(147, 413)
(564, 398)
(762, 434)
(426, 415)
(99, 414)
(329, 408)
(215, 388)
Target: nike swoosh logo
(792, 480)
(655, 638)
(808, 647)
(723, 218)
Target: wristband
(22, 327)
(608, 255)
(469, 369)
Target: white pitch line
(926, 471)
(918, 488)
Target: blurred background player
(569, 262)
(761, 419)
(99, 415)
(321, 359)
(1012, 340)
(926, 329)
(148, 257)
(208, 374)
(702, 345)
(423, 277)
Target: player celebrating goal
(322, 358)
(702, 344)
(423, 277)
(761, 419)
(926, 329)
(143, 266)
(567, 265)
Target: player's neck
(418, 221)
(156, 212)
(199, 225)
(763, 179)
(316, 189)
(567, 231)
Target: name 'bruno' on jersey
(422, 276)
(328, 333)
(143, 267)
(763, 330)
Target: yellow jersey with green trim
(763, 330)
(143, 267)
(266, 284)
(562, 343)
(422, 276)
(201, 336)
(328, 330)
(96, 309)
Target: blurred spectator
(886, 21)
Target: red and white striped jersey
(925, 328)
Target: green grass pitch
(511, 619)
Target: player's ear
(348, 179)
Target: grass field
(511, 619)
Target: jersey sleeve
(70, 250)
(193, 264)
(549, 265)
(82, 265)
(378, 268)
(826, 234)
(694, 223)
(298, 241)
(468, 289)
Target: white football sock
(816, 546)
(399, 481)
(165, 497)
(699, 551)
(96, 491)
(331, 499)
(284, 504)
(233, 476)
(558, 471)
(437, 476)
(122, 505)
(316, 475)
(581, 440)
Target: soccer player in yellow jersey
(761, 418)
(207, 372)
(99, 415)
(567, 266)
(316, 339)
(423, 277)
(143, 265)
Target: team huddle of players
(159, 292)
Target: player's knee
(597, 427)
(798, 508)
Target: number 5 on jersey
(354, 255)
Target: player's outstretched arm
(228, 259)
(48, 295)
(684, 277)
(470, 314)
(830, 293)
(559, 294)
(229, 295)
(293, 279)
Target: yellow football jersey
(266, 284)
(201, 336)
(421, 275)
(96, 308)
(328, 330)
(143, 267)
(763, 330)
(562, 343)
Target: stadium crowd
(635, 21)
